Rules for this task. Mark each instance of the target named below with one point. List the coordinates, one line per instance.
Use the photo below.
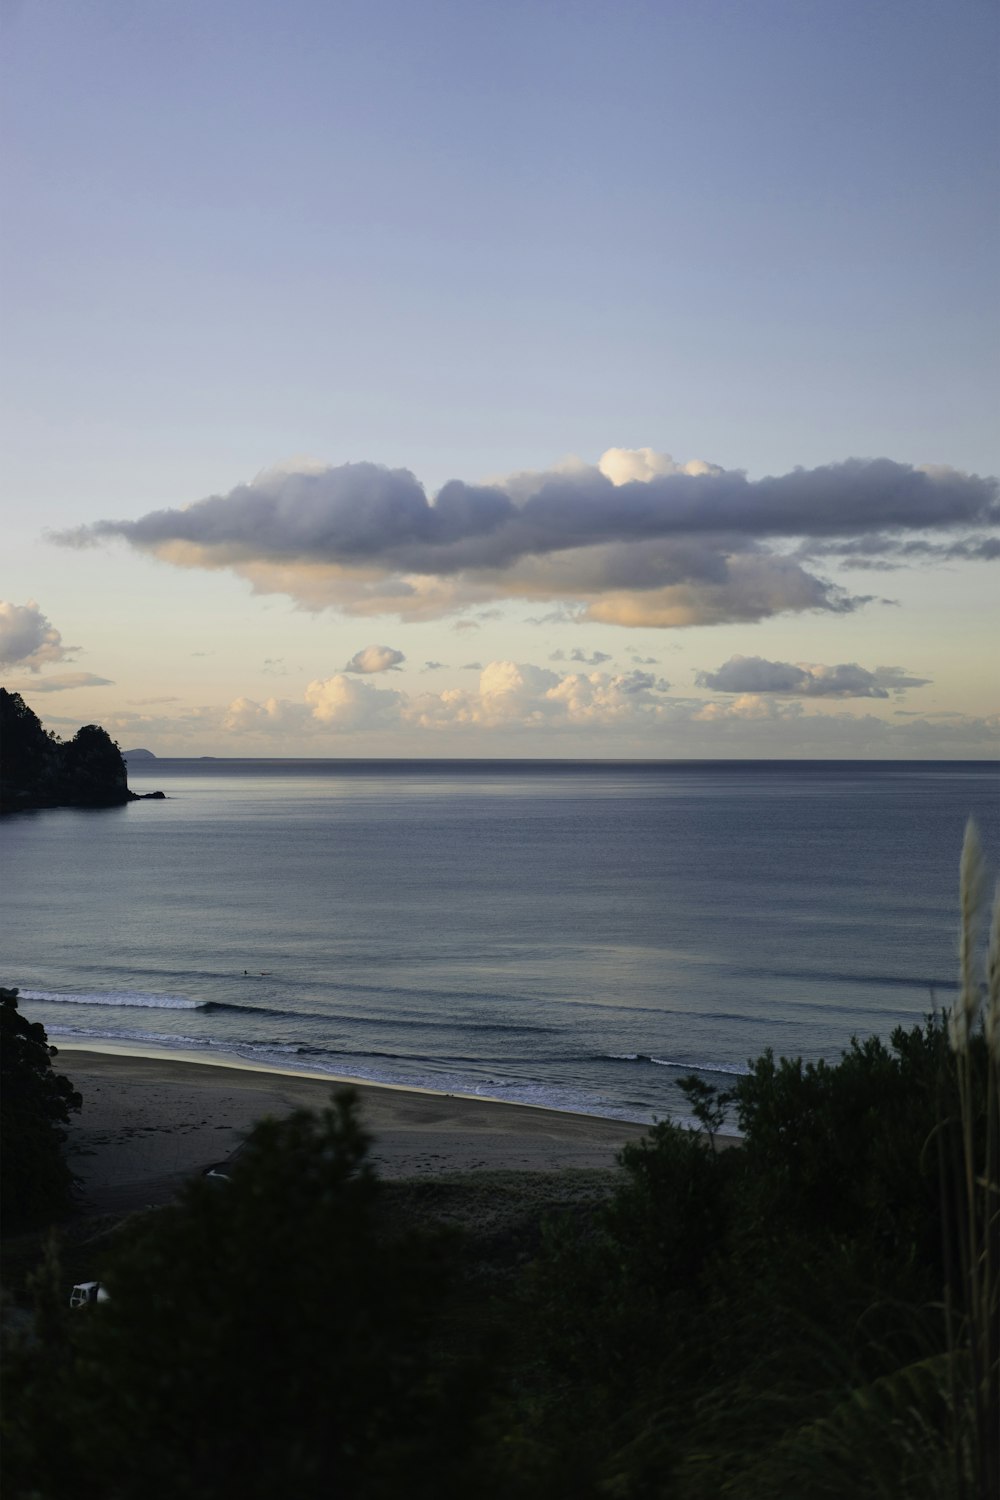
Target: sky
(554, 378)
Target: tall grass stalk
(975, 1180)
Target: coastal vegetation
(35, 1105)
(812, 1314)
(39, 770)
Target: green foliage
(759, 1321)
(670, 1216)
(839, 1151)
(748, 1323)
(708, 1104)
(37, 770)
(883, 1440)
(617, 1321)
(262, 1337)
(35, 1102)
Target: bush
(262, 1337)
(35, 1103)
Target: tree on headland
(35, 1105)
(28, 754)
(39, 770)
(93, 765)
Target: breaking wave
(121, 998)
(734, 1071)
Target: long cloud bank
(516, 705)
(634, 540)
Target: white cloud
(375, 659)
(623, 465)
(746, 708)
(340, 703)
(518, 696)
(246, 714)
(29, 640)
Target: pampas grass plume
(972, 886)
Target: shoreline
(220, 1058)
(151, 1122)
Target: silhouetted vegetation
(39, 770)
(35, 1103)
(757, 1321)
(744, 1323)
(263, 1337)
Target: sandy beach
(150, 1122)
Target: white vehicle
(87, 1294)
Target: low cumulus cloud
(508, 695)
(28, 640)
(518, 695)
(636, 539)
(518, 702)
(375, 659)
(338, 703)
(753, 674)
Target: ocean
(577, 935)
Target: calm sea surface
(574, 935)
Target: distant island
(39, 770)
(138, 755)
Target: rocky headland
(39, 770)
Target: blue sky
(472, 242)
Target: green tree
(744, 1320)
(35, 1103)
(266, 1335)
